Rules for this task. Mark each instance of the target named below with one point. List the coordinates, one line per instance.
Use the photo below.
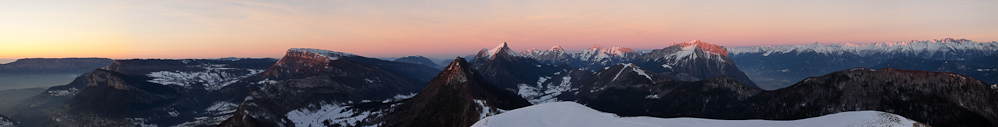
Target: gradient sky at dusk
(222, 28)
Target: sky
(173, 29)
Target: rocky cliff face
(297, 64)
(691, 61)
(320, 88)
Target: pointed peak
(596, 47)
(499, 49)
(458, 64)
(556, 48)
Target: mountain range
(315, 87)
(53, 65)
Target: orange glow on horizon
(213, 29)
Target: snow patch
(542, 79)
(214, 77)
(266, 81)
(653, 96)
(399, 97)
(174, 113)
(547, 93)
(527, 91)
(222, 107)
(486, 110)
(666, 66)
(61, 93)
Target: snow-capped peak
(531, 50)
(556, 48)
(596, 47)
(501, 48)
(333, 55)
(495, 50)
(685, 51)
(617, 50)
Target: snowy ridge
(332, 55)
(910, 47)
(598, 53)
(214, 76)
(534, 52)
(635, 69)
(571, 114)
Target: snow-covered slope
(571, 114)
(212, 77)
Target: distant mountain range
(417, 60)
(983, 68)
(779, 66)
(54, 65)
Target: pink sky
(213, 29)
